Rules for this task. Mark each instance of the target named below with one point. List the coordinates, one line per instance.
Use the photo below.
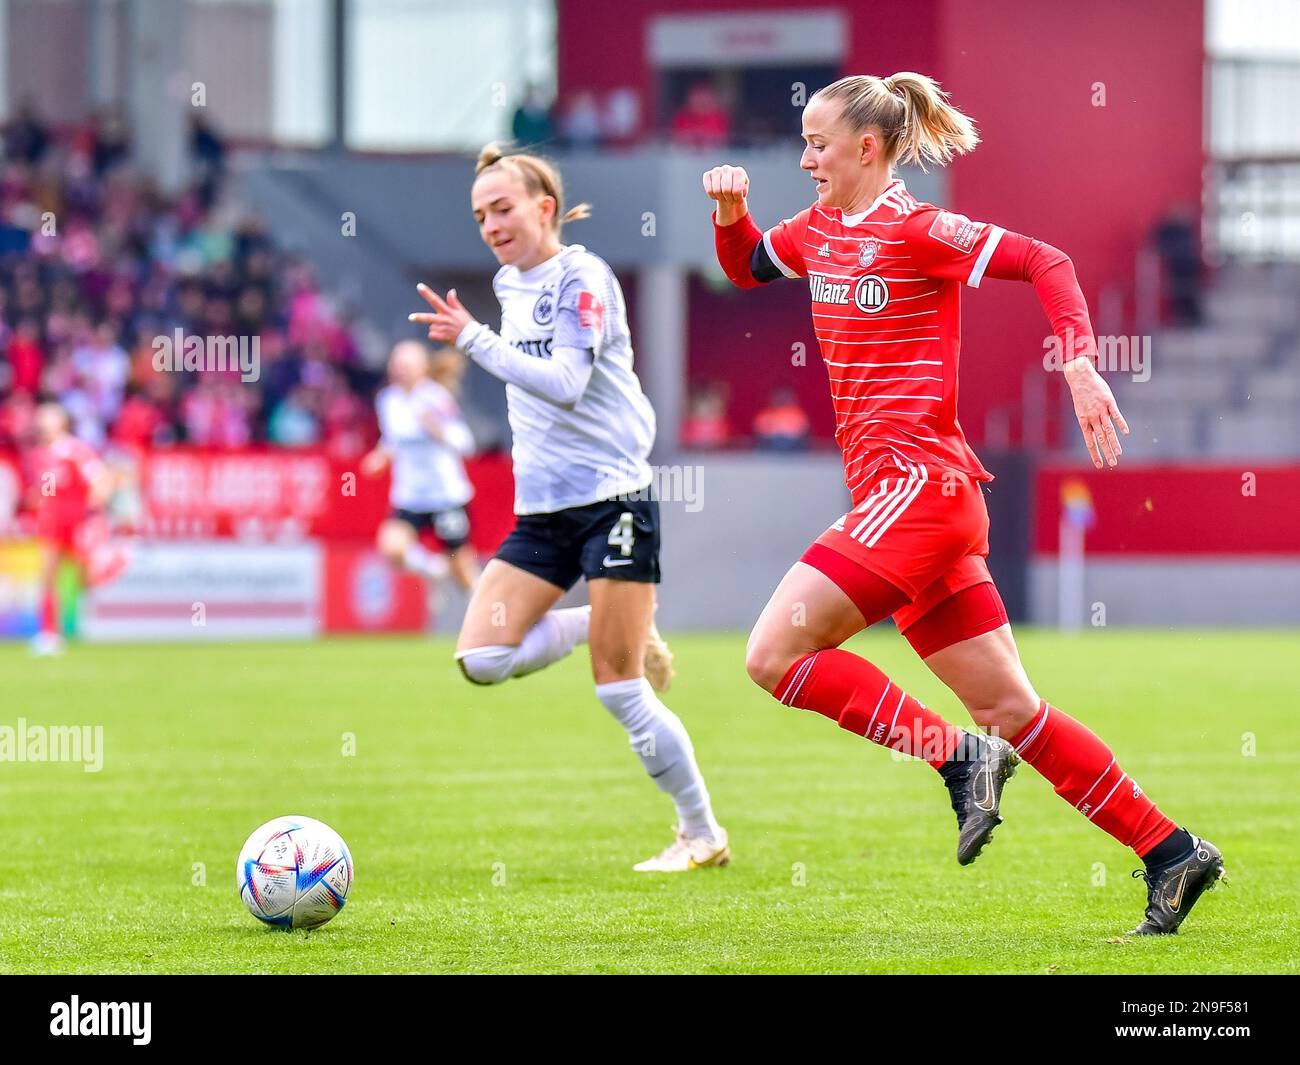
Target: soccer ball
(294, 872)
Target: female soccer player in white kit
(582, 432)
(426, 440)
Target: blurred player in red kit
(68, 485)
(885, 273)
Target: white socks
(658, 737)
(555, 636)
(655, 734)
(420, 560)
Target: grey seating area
(1229, 388)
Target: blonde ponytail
(934, 130)
(539, 176)
(488, 155)
(916, 121)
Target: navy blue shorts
(618, 539)
(451, 526)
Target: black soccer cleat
(1172, 892)
(976, 782)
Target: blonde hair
(539, 176)
(411, 344)
(447, 367)
(916, 120)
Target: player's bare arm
(101, 487)
(375, 462)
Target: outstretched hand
(1097, 411)
(449, 317)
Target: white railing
(1252, 195)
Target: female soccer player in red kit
(68, 484)
(885, 274)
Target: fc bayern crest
(867, 253)
(544, 309)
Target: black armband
(761, 265)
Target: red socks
(1085, 774)
(855, 694)
(851, 691)
(49, 608)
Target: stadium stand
(1230, 387)
(95, 265)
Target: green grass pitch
(494, 830)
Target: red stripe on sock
(858, 697)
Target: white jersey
(569, 457)
(428, 474)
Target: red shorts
(925, 531)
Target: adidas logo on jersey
(825, 250)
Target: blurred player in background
(885, 274)
(582, 434)
(426, 441)
(68, 486)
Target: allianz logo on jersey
(869, 293)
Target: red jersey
(886, 306)
(60, 475)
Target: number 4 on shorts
(622, 534)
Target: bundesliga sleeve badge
(591, 315)
(956, 230)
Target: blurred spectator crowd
(585, 120)
(781, 424)
(98, 268)
(588, 120)
(96, 264)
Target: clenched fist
(728, 186)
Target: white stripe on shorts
(919, 475)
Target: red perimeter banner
(1242, 508)
(287, 500)
(289, 495)
(272, 495)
